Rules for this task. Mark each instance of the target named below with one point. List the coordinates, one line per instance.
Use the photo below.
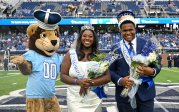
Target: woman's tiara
(87, 27)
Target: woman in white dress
(74, 72)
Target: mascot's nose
(54, 42)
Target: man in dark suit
(5, 64)
(120, 68)
(169, 59)
(175, 60)
(160, 58)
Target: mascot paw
(17, 59)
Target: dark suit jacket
(119, 68)
(169, 58)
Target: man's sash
(125, 53)
(74, 62)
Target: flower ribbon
(99, 90)
(148, 80)
(133, 91)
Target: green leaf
(99, 57)
(134, 64)
(91, 75)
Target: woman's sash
(74, 62)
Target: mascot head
(44, 36)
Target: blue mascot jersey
(41, 82)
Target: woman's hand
(84, 83)
(83, 91)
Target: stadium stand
(108, 8)
(14, 37)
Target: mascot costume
(41, 62)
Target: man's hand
(144, 70)
(126, 82)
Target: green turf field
(14, 80)
(168, 75)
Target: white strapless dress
(76, 103)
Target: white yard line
(166, 83)
(23, 106)
(9, 76)
(13, 73)
(174, 103)
(111, 109)
(173, 86)
(158, 87)
(170, 70)
(165, 110)
(4, 97)
(16, 93)
(14, 105)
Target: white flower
(93, 66)
(152, 57)
(140, 59)
(97, 68)
(103, 67)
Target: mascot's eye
(43, 35)
(55, 33)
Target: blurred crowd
(90, 8)
(18, 41)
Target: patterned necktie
(131, 50)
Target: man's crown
(125, 16)
(87, 27)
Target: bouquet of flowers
(100, 63)
(97, 66)
(148, 56)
